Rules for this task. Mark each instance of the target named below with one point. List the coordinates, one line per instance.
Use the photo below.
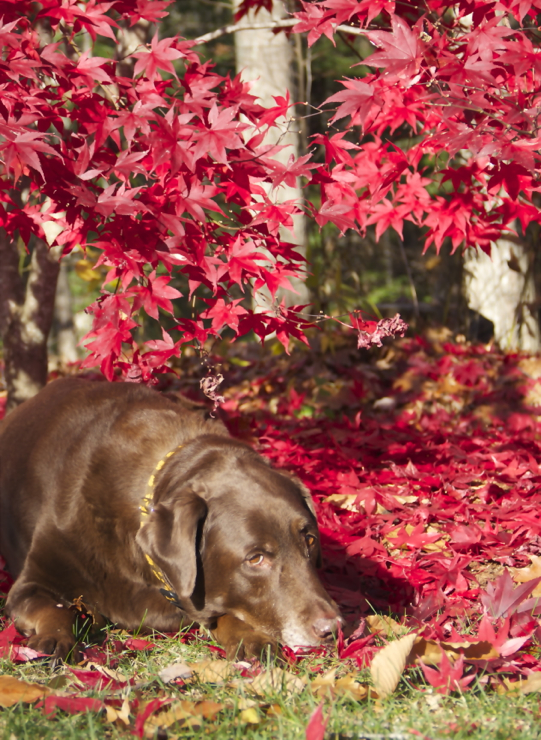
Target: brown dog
(108, 491)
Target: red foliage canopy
(163, 171)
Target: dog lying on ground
(113, 495)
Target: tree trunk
(501, 288)
(66, 342)
(266, 59)
(26, 314)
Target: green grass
(411, 712)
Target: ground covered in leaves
(423, 459)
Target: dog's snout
(327, 626)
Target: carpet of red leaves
(422, 458)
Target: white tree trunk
(266, 59)
(501, 288)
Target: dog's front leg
(241, 641)
(38, 613)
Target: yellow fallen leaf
(12, 691)
(212, 671)
(122, 714)
(343, 500)
(388, 665)
(277, 681)
(523, 575)
(529, 685)
(190, 714)
(348, 686)
(244, 703)
(323, 685)
(250, 716)
(430, 652)
(387, 625)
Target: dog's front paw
(59, 644)
(240, 641)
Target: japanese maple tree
(163, 171)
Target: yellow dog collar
(146, 508)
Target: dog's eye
(310, 540)
(256, 559)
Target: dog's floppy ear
(170, 539)
(309, 501)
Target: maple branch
(271, 25)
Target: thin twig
(271, 25)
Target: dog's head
(236, 537)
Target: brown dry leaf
(187, 712)
(121, 715)
(382, 623)
(12, 691)
(522, 575)
(276, 680)
(212, 671)
(430, 652)
(388, 665)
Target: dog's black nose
(326, 626)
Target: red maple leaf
(401, 53)
(357, 100)
(159, 56)
(155, 294)
(225, 314)
(223, 132)
(315, 729)
(502, 598)
(317, 21)
(449, 677)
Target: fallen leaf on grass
(105, 671)
(315, 729)
(277, 681)
(98, 679)
(244, 703)
(430, 652)
(137, 643)
(188, 713)
(71, 704)
(174, 671)
(212, 671)
(382, 623)
(348, 686)
(250, 716)
(12, 691)
(324, 685)
(450, 676)
(119, 715)
(523, 575)
(530, 685)
(329, 685)
(388, 665)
